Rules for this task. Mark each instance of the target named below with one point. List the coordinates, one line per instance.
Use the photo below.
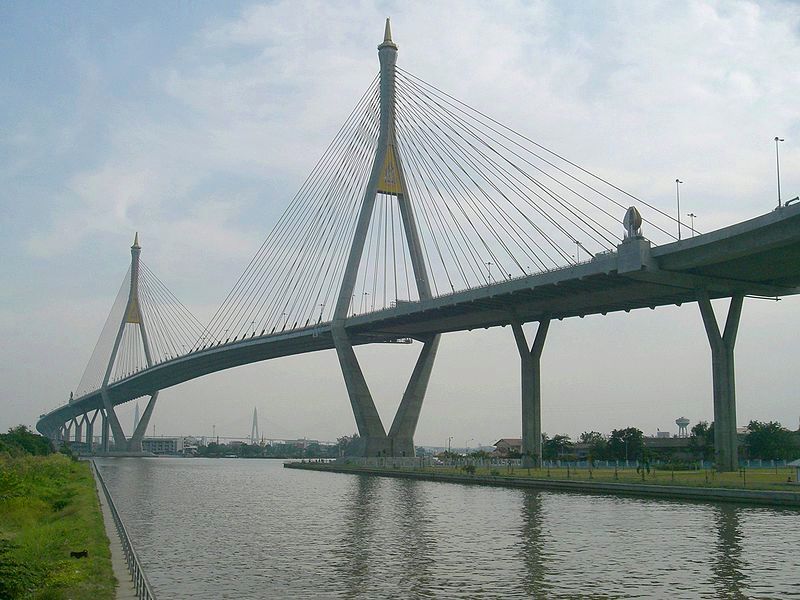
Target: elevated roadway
(759, 257)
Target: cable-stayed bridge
(425, 216)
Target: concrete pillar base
(372, 446)
(402, 447)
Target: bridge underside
(762, 260)
(757, 257)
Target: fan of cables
(171, 331)
(490, 204)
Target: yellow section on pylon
(132, 314)
(389, 181)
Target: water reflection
(728, 564)
(135, 478)
(359, 531)
(251, 530)
(533, 552)
(415, 540)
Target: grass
(751, 479)
(49, 507)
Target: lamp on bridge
(678, 183)
(778, 167)
(692, 216)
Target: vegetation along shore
(48, 510)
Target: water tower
(682, 424)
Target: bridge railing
(140, 582)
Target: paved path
(125, 589)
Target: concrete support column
(90, 431)
(401, 434)
(723, 373)
(530, 359)
(135, 443)
(120, 441)
(373, 440)
(104, 433)
(79, 429)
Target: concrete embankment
(789, 499)
(125, 589)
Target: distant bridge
(424, 217)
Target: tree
(347, 444)
(480, 454)
(625, 444)
(598, 445)
(21, 440)
(769, 441)
(313, 450)
(557, 446)
(701, 440)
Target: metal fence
(140, 582)
(419, 462)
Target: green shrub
(56, 512)
(11, 484)
(20, 440)
(16, 578)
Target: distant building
(163, 445)
(507, 446)
(302, 444)
(665, 446)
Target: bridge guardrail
(140, 583)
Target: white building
(163, 445)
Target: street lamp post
(692, 217)
(489, 268)
(778, 167)
(678, 182)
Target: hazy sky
(195, 122)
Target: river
(235, 528)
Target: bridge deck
(760, 256)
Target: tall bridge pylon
(134, 316)
(147, 326)
(386, 178)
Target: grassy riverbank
(751, 479)
(763, 488)
(49, 507)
